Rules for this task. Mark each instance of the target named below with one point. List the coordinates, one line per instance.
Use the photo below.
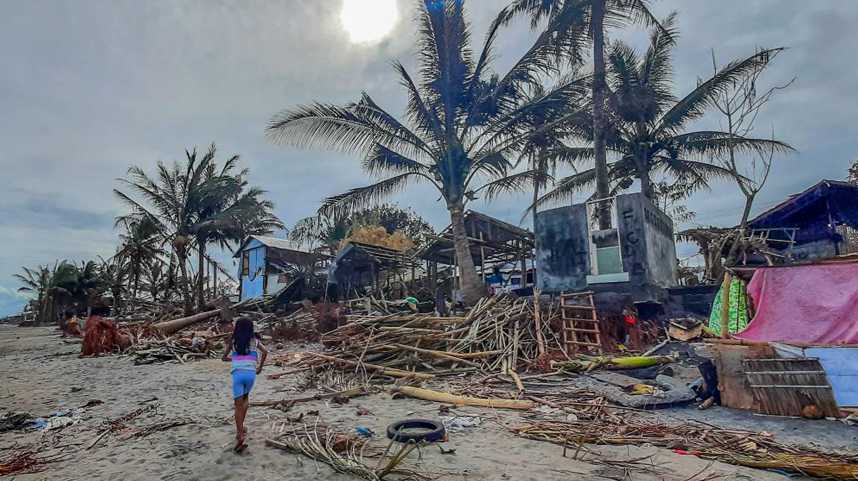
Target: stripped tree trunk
(603, 189)
(472, 287)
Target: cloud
(88, 92)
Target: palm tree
(462, 121)
(593, 16)
(648, 122)
(38, 282)
(140, 245)
(195, 203)
(113, 274)
(547, 126)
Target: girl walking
(246, 364)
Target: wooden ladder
(580, 324)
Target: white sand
(40, 374)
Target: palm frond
(363, 197)
(694, 105)
(567, 187)
(715, 143)
(518, 182)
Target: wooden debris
(443, 397)
(347, 394)
(740, 447)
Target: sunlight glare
(368, 21)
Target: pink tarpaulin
(815, 304)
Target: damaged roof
(815, 209)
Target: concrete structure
(636, 255)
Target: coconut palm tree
(585, 20)
(140, 245)
(462, 122)
(548, 127)
(38, 282)
(648, 123)
(194, 204)
(113, 277)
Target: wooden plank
(732, 381)
(791, 387)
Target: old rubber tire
(434, 431)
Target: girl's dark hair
(242, 335)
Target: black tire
(435, 433)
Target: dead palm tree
(462, 121)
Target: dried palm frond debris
(733, 446)
(496, 335)
(344, 453)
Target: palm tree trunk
(643, 175)
(472, 287)
(597, 25)
(201, 267)
(535, 199)
(185, 283)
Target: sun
(368, 21)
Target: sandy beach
(42, 374)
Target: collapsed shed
(502, 252)
(817, 223)
(359, 266)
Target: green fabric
(737, 312)
(411, 300)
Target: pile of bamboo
(733, 446)
(497, 335)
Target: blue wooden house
(268, 264)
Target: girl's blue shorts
(242, 382)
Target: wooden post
(725, 306)
(537, 322)
(523, 269)
(482, 258)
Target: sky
(91, 87)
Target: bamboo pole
(443, 397)
(537, 322)
(438, 354)
(374, 367)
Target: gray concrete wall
(646, 243)
(562, 262)
(632, 238)
(660, 246)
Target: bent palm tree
(648, 122)
(462, 121)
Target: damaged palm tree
(462, 121)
